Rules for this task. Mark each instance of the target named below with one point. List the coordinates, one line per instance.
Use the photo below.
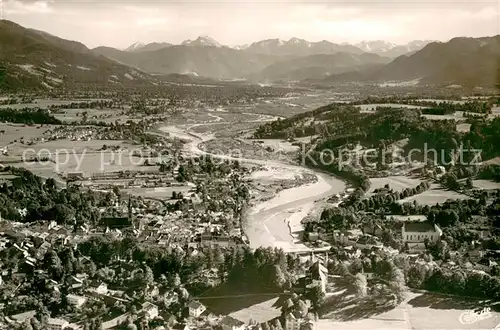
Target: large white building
(415, 234)
(57, 324)
(75, 300)
(196, 308)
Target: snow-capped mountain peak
(241, 47)
(375, 46)
(202, 41)
(297, 41)
(135, 46)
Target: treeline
(490, 172)
(239, 266)
(484, 135)
(14, 100)
(378, 200)
(100, 104)
(28, 116)
(454, 281)
(443, 107)
(446, 108)
(28, 198)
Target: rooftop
(231, 321)
(56, 321)
(420, 227)
(195, 304)
(23, 316)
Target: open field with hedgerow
(420, 311)
(436, 194)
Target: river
(271, 223)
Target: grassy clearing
(463, 128)
(434, 195)
(458, 115)
(224, 300)
(434, 311)
(260, 312)
(422, 311)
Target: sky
(120, 23)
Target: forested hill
(31, 59)
(337, 126)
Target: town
(279, 185)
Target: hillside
(208, 61)
(36, 59)
(467, 62)
(319, 66)
(461, 61)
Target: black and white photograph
(249, 165)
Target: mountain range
(296, 46)
(31, 58)
(269, 60)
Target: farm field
(486, 184)
(458, 115)
(224, 300)
(292, 105)
(14, 132)
(396, 183)
(260, 312)
(436, 194)
(105, 115)
(81, 156)
(44, 103)
(102, 162)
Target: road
(269, 223)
